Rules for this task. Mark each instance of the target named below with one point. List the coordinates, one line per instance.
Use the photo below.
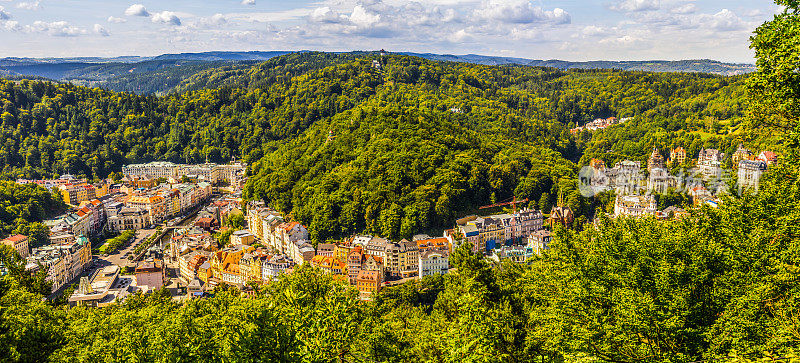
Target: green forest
(343, 147)
(721, 284)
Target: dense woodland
(349, 147)
(720, 284)
(344, 147)
(24, 207)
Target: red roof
(769, 155)
(17, 238)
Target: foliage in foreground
(717, 284)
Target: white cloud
(361, 17)
(724, 20)
(166, 17)
(625, 41)
(523, 12)
(11, 25)
(3, 14)
(266, 17)
(460, 36)
(636, 5)
(33, 5)
(100, 30)
(248, 2)
(136, 10)
(689, 8)
(213, 21)
(326, 15)
(594, 30)
(56, 28)
(112, 19)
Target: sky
(574, 30)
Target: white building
(540, 241)
(635, 205)
(433, 262)
(128, 218)
(156, 169)
(709, 163)
(749, 173)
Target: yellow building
(154, 204)
(73, 194)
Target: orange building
(677, 156)
(369, 282)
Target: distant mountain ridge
(161, 74)
(690, 65)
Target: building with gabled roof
(368, 282)
(19, 243)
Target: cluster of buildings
(279, 235)
(129, 205)
(201, 262)
(108, 285)
(635, 190)
(516, 236)
(367, 262)
(63, 262)
(214, 174)
(598, 124)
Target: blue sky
(538, 29)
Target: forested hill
(167, 72)
(349, 147)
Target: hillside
(166, 72)
(343, 146)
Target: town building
(768, 157)
(357, 260)
(368, 282)
(659, 181)
(655, 160)
(700, 195)
(63, 263)
(105, 287)
(441, 244)
(627, 177)
(540, 241)
(151, 273)
(515, 253)
(635, 205)
(19, 243)
(326, 249)
(155, 206)
(73, 194)
(749, 173)
(740, 154)
(598, 164)
(156, 169)
(402, 259)
(301, 251)
(433, 262)
(275, 266)
(709, 164)
(242, 237)
(677, 156)
(485, 233)
(128, 219)
(329, 264)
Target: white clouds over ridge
(574, 30)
